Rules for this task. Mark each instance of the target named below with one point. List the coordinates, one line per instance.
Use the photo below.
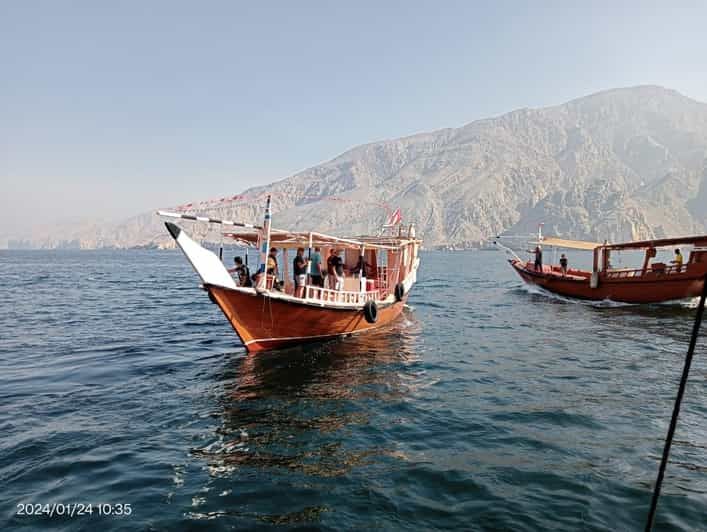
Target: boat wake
(536, 290)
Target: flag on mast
(394, 219)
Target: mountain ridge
(618, 164)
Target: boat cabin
(696, 258)
(372, 266)
(693, 251)
(654, 281)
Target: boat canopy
(564, 243)
(697, 241)
(290, 239)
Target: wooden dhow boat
(378, 276)
(654, 282)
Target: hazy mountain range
(621, 164)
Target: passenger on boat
(360, 267)
(538, 258)
(272, 270)
(272, 262)
(242, 272)
(315, 269)
(650, 253)
(563, 264)
(335, 270)
(299, 270)
(678, 261)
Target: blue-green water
(486, 407)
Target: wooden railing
(316, 293)
(658, 268)
(387, 277)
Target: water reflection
(290, 409)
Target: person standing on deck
(241, 270)
(315, 268)
(331, 277)
(299, 271)
(538, 258)
(339, 272)
(335, 270)
(678, 260)
(563, 264)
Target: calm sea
(487, 406)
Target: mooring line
(676, 407)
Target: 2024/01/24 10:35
(73, 509)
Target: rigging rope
(676, 407)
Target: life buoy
(370, 311)
(399, 292)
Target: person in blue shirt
(315, 269)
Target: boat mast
(362, 271)
(309, 256)
(265, 248)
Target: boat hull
(649, 288)
(263, 322)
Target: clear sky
(116, 107)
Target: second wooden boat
(653, 282)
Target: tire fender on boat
(211, 297)
(399, 292)
(370, 311)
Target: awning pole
(309, 257)
(262, 269)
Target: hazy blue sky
(116, 107)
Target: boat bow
(206, 264)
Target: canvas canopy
(291, 239)
(288, 239)
(697, 241)
(569, 244)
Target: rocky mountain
(621, 164)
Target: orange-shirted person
(678, 260)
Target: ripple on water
(488, 405)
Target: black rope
(676, 408)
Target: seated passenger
(272, 262)
(272, 270)
(678, 261)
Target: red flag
(395, 218)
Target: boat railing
(385, 276)
(657, 268)
(317, 293)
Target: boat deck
(655, 270)
(556, 271)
